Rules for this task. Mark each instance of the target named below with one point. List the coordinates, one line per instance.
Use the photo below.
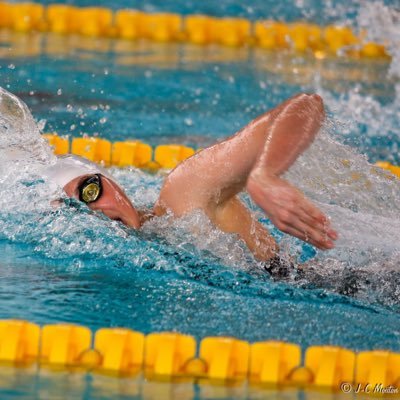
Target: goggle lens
(90, 189)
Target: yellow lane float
(93, 21)
(199, 29)
(231, 31)
(162, 27)
(131, 153)
(22, 17)
(394, 169)
(60, 19)
(19, 341)
(273, 362)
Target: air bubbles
(77, 263)
(104, 107)
(41, 124)
(188, 122)
(299, 4)
(250, 10)
(59, 92)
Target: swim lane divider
(197, 29)
(170, 355)
(134, 153)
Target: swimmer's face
(112, 202)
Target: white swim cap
(69, 167)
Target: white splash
(20, 137)
(381, 24)
(362, 200)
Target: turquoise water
(69, 265)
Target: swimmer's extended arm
(253, 159)
(290, 133)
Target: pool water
(69, 265)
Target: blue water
(69, 265)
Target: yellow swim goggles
(91, 189)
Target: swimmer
(253, 160)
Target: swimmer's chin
(134, 223)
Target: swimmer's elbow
(318, 104)
(311, 102)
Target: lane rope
(301, 37)
(166, 355)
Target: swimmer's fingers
(315, 225)
(296, 227)
(314, 212)
(313, 217)
(311, 237)
(308, 234)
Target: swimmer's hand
(289, 210)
